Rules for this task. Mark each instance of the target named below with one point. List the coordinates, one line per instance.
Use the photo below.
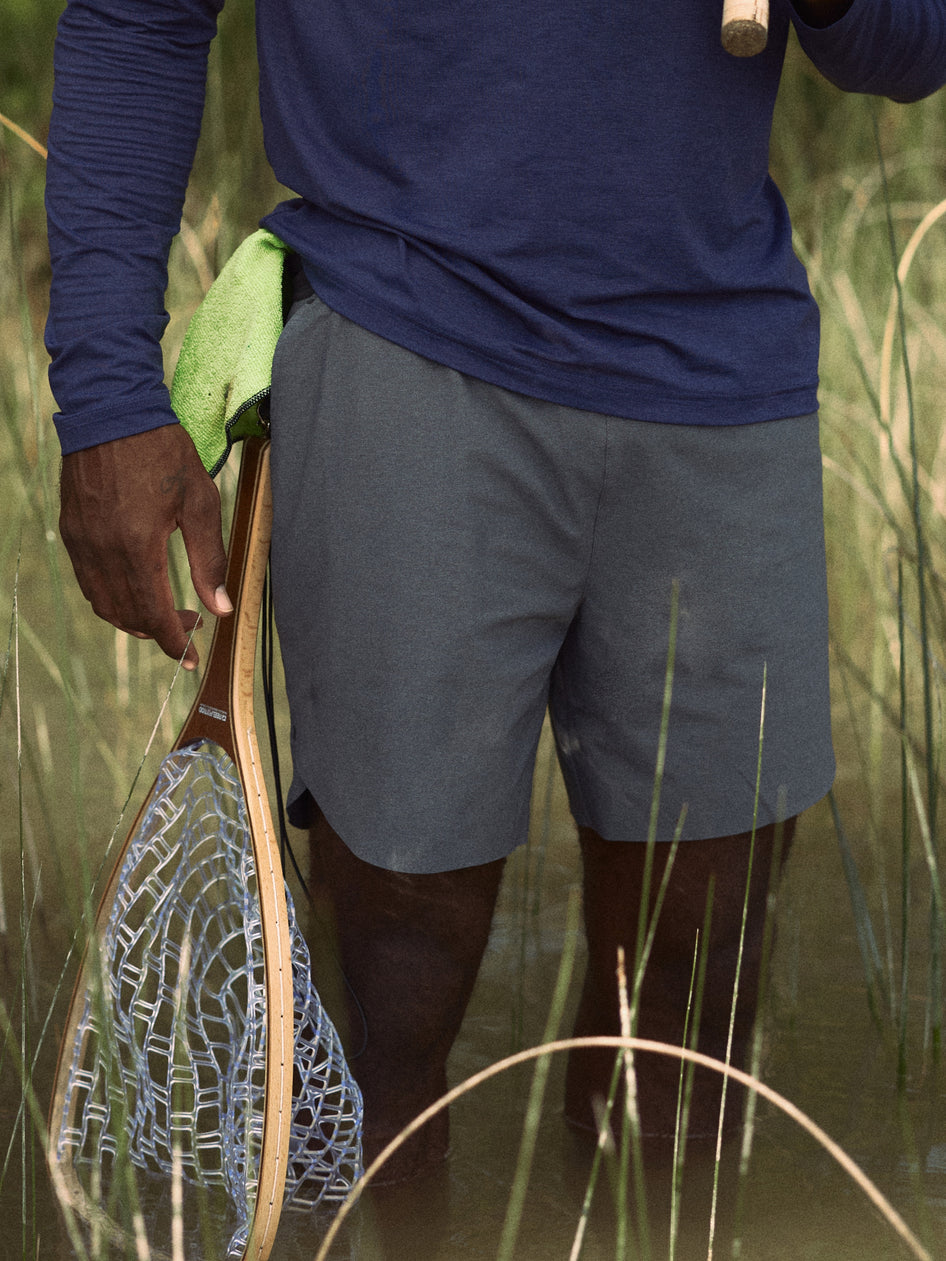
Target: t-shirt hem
(580, 388)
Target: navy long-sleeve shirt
(569, 198)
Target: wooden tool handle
(227, 684)
(745, 26)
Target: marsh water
(824, 1052)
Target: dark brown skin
(410, 947)
(120, 503)
(613, 876)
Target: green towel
(225, 367)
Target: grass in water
(913, 626)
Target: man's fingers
(203, 538)
(146, 610)
(189, 622)
(120, 503)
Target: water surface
(823, 1052)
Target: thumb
(208, 565)
(220, 603)
(202, 532)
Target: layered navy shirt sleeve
(127, 106)
(894, 48)
(524, 193)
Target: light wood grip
(227, 682)
(745, 26)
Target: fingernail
(223, 600)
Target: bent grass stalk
(645, 1045)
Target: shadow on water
(822, 1051)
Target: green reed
(924, 576)
(884, 437)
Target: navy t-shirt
(569, 198)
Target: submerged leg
(613, 877)
(410, 948)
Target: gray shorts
(450, 559)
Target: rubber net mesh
(169, 1057)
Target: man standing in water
(551, 355)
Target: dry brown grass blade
(873, 1193)
(23, 135)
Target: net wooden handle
(228, 675)
(745, 26)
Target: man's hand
(120, 503)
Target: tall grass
(877, 264)
(866, 186)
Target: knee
(721, 881)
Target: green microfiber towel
(225, 367)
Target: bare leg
(613, 875)
(410, 947)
